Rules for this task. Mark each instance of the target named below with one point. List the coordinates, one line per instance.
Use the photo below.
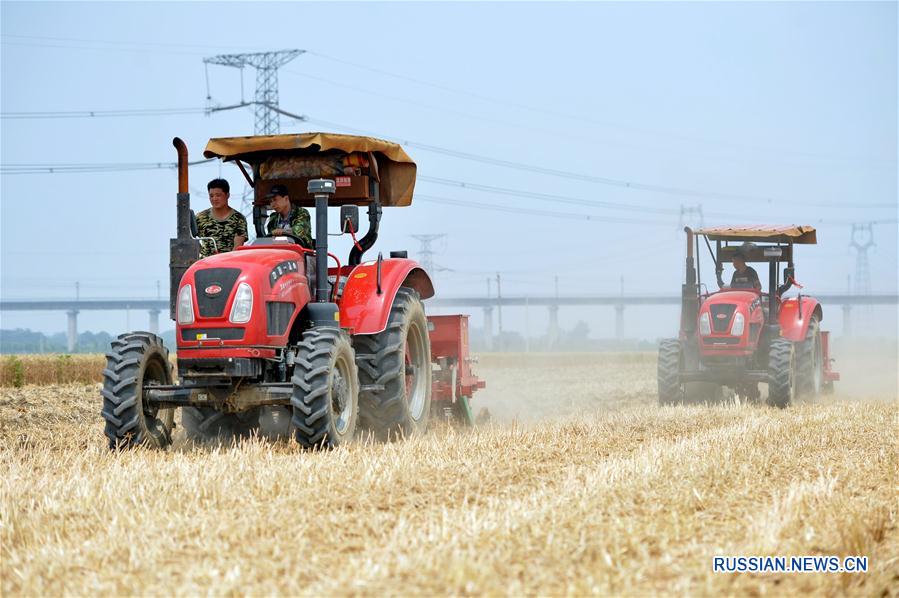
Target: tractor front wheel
(395, 370)
(325, 397)
(781, 378)
(671, 389)
(137, 360)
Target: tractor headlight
(705, 324)
(736, 328)
(242, 308)
(186, 305)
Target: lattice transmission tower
(267, 112)
(691, 215)
(426, 253)
(268, 121)
(862, 239)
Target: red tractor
(273, 329)
(740, 336)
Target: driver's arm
(757, 284)
(302, 227)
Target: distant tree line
(27, 341)
(576, 338)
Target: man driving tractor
(744, 277)
(287, 218)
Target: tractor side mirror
(349, 219)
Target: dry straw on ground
(629, 500)
(20, 370)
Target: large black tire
(136, 360)
(202, 424)
(395, 371)
(671, 389)
(810, 362)
(325, 397)
(781, 372)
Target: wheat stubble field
(579, 485)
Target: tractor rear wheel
(671, 389)
(781, 372)
(395, 370)
(810, 362)
(202, 424)
(325, 397)
(137, 359)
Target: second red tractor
(741, 337)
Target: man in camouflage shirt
(221, 222)
(287, 218)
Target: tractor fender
(793, 325)
(363, 309)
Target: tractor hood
(722, 307)
(733, 297)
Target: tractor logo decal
(212, 290)
(721, 316)
(282, 269)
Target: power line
(534, 212)
(566, 115)
(265, 106)
(82, 168)
(634, 185)
(155, 47)
(123, 42)
(544, 196)
(101, 113)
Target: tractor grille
(721, 316)
(722, 340)
(225, 334)
(278, 313)
(212, 306)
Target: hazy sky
(791, 106)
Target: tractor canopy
(364, 169)
(776, 241)
(763, 233)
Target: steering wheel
(291, 236)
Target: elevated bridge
(156, 306)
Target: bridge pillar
(72, 333)
(847, 321)
(552, 335)
(488, 328)
(154, 321)
(619, 322)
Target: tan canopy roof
(800, 234)
(396, 169)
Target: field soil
(579, 484)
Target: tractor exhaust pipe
(183, 230)
(689, 291)
(322, 312)
(184, 250)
